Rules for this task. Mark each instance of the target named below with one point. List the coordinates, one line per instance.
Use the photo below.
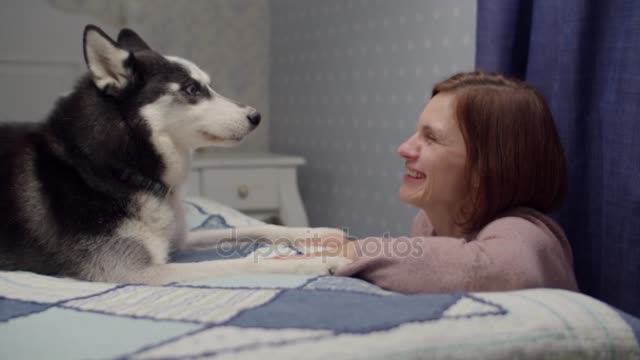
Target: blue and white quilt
(297, 317)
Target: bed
(296, 317)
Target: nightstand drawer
(243, 189)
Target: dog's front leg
(168, 273)
(271, 234)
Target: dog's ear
(128, 39)
(109, 64)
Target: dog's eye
(192, 90)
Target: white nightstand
(259, 185)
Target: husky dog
(94, 192)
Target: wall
(40, 57)
(348, 82)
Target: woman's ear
(108, 63)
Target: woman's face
(435, 158)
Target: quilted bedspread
(298, 317)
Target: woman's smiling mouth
(415, 174)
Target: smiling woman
(483, 167)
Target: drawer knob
(243, 191)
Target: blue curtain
(585, 57)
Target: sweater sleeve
(512, 252)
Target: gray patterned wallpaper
(349, 79)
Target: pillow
(204, 213)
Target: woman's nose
(407, 150)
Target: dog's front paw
(306, 265)
(333, 263)
(317, 232)
(324, 231)
(322, 265)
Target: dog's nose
(254, 118)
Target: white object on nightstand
(260, 185)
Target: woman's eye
(192, 90)
(429, 137)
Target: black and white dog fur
(94, 191)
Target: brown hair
(514, 154)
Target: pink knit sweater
(523, 249)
